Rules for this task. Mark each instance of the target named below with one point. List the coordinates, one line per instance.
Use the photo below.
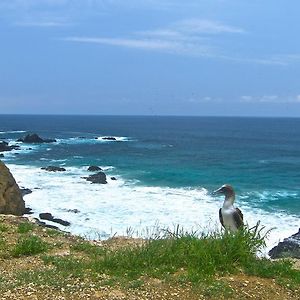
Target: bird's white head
(226, 190)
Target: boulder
(1, 155)
(35, 139)
(113, 178)
(288, 248)
(49, 217)
(11, 200)
(5, 147)
(99, 177)
(94, 168)
(54, 169)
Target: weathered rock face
(289, 247)
(11, 201)
(35, 139)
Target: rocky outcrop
(5, 147)
(94, 168)
(289, 247)
(35, 139)
(54, 169)
(11, 200)
(49, 217)
(99, 177)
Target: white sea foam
(12, 131)
(113, 138)
(119, 205)
(92, 140)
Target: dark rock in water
(1, 155)
(109, 138)
(99, 177)
(289, 247)
(43, 224)
(46, 216)
(28, 211)
(5, 147)
(75, 210)
(94, 168)
(61, 222)
(113, 178)
(25, 191)
(53, 169)
(35, 139)
(49, 217)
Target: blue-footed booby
(230, 217)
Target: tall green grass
(170, 255)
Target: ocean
(166, 169)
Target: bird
(230, 217)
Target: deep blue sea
(166, 168)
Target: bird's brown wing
(238, 218)
(221, 217)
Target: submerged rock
(11, 200)
(54, 169)
(99, 177)
(94, 168)
(35, 139)
(289, 247)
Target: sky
(150, 57)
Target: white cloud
(161, 45)
(180, 38)
(42, 24)
(200, 26)
(270, 99)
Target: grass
(29, 245)
(25, 227)
(176, 257)
(180, 257)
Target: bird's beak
(218, 191)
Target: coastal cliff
(11, 200)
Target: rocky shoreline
(11, 196)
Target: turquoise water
(164, 156)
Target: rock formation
(49, 217)
(54, 169)
(35, 139)
(94, 168)
(5, 147)
(99, 177)
(289, 247)
(11, 200)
